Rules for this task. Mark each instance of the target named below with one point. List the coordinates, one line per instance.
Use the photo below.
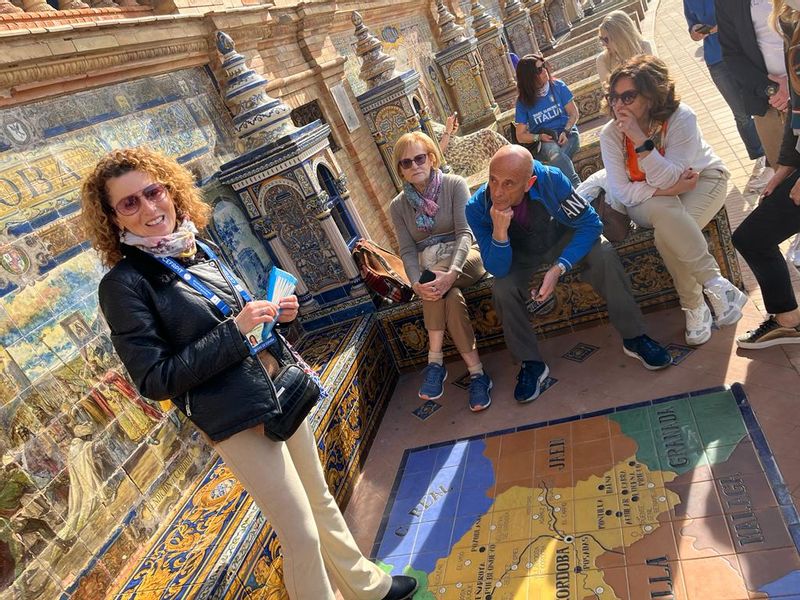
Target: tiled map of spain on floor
(677, 498)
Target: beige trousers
(450, 312)
(678, 221)
(287, 483)
(770, 132)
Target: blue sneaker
(652, 354)
(433, 377)
(529, 381)
(479, 388)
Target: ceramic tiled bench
(576, 304)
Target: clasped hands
(436, 289)
(257, 312)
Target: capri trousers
(450, 312)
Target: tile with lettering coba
(628, 505)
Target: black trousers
(776, 219)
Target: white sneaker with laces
(698, 325)
(759, 177)
(726, 300)
(758, 166)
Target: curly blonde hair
(98, 216)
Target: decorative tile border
(426, 409)
(679, 352)
(580, 352)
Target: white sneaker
(726, 300)
(698, 325)
(759, 177)
(793, 253)
(758, 167)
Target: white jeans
(286, 481)
(678, 221)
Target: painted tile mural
(412, 43)
(89, 469)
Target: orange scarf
(632, 159)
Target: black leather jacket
(177, 345)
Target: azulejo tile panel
(82, 451)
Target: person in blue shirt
(702, 21)
(546, 115)
(528, 215)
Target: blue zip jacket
(555, 191)
(701, 12)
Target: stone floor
(606, 378)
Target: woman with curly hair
(546, 116)
(660, 167)
(621, 40)
(179, 321)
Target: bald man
(529, 215)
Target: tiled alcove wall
(81, 452)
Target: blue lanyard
(201, 287)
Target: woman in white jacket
(661, 168)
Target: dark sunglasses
(604, 39)
(419, 159)
(627, 97)
(538, 69)
(130, 205)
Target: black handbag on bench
(295, 394)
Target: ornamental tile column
(541, 25)
(276, 182)
(519, 29)
(574, 10)
(390, 103)
(557, 16)
(464, 74)
(494, 54)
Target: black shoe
(403, 587)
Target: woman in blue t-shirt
(546, 115)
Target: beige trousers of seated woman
(286, 481)
(450, 312)
(678, 221)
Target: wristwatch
(771, 89)
(646, 146)
(561, 268)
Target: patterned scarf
(632, 159)
(178, 244)
(425, 204)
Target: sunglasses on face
(627, 97)
(419, 160)
(604, 39)
(130, 205)
(538, 69)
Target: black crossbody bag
(294, 395)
